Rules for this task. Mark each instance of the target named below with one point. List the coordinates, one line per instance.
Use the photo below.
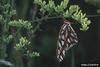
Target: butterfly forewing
(67, 38)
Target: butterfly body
(67, 39)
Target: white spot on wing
(67, 47)
(72, 34)
(68, 40)
(63, 52)
(64, 27)
(59, 44)
(57, 56)
(63, 37)
(75, 40)
(60, 60)
(58, 51)
(61, 57)
(62, 42)
(66, 34)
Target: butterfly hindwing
(67, 38)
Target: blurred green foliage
(19, 31)
(20, 24)
(61, 9)
(23, 43)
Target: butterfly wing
(67, 38)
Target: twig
(93, 15)
(46, 18)
(37, 27)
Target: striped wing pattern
(67, 39)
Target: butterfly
(67, 39)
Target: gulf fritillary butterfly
(67, 39)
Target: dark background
(88, 48)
